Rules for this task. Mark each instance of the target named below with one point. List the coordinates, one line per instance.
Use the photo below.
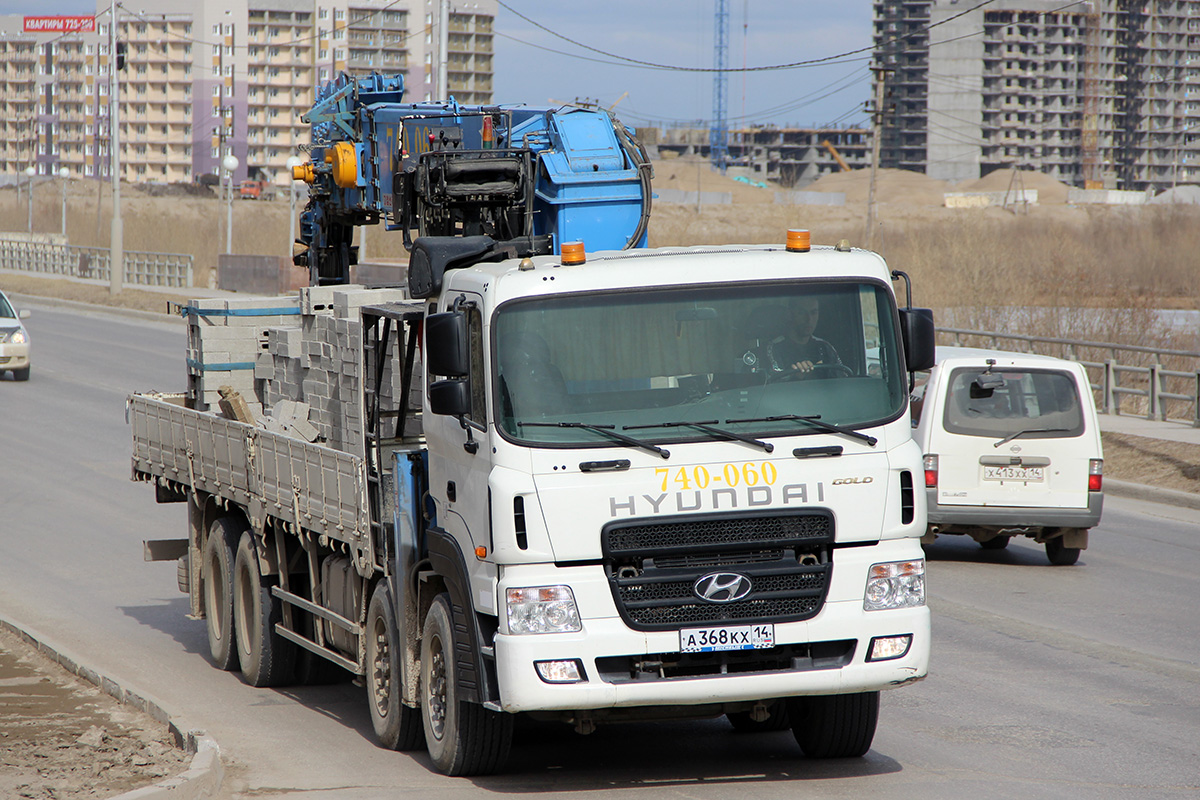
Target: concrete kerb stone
(92, 308)
(1151, 494)
(203, 777)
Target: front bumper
(824, 655)
(1012, 517)
(14, 356)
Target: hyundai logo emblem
(722, 587)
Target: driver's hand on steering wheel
(804, 366)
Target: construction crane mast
(718, 135)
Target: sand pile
(891, 186)
(1187, 193)
(690, 174)
(1049, 190)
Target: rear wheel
(267, 658)
(834, 726)
(1059, 554)
(397, 726)
(777, 721)
(463, 738)
(217, 577)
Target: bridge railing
(1154, 382)
(145, 269)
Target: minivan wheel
(1059, 554)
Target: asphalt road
(1047, 682)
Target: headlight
(542, 609)
(896, 584)
(18, 337)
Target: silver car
(14, 341)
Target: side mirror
(23, 313)
(919, 338)
(446, 344)
(450, 398)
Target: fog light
(886, 648)
(570, 671)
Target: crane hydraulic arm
(528, 178)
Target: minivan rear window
(1039, 403)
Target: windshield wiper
(815, 421)
(604, 430)
(706, 426)
(1012, 436)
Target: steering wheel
(818, 370)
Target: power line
(767, 68)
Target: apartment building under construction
(202, 79)
(1099, 94)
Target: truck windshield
(739, 356)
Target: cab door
(460, 455)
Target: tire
(397, 727)
(21, 374)
(778, 721)
(834, 726)
(996, 543)
(462, 738)
(313, 670)
(267, 658)
(1059, 555)
(216, 575)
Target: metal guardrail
(144, 269)
(1165, 383)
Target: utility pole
(116, 244)
(443, 79)
(876, 135)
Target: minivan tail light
(1096, 475)
(931, 471)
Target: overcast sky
(534, 66)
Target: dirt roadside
(61, 737)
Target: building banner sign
(60, 24)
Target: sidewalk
(1149, 428)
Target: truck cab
(657, 502)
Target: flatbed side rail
(302, 484)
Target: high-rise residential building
(1099, 94)
(207, 78)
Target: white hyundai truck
(549, 477)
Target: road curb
(76, 305)
(1152, 494)
(201, 780)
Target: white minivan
(1012, 448)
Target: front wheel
(1059, 554)
(397, 727)
(267, 658)
(21, 374)
(462, 738)
(834, 726)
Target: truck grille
(653, 567)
